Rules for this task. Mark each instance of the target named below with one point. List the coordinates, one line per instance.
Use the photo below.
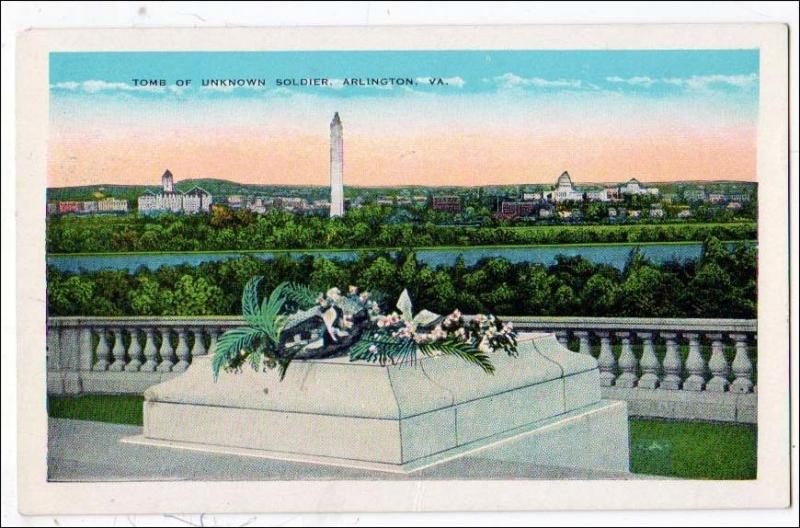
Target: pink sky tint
(461, 158)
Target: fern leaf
(459, 349)
(301, 295)
(229, 346)
(270, 309)
(250, 300)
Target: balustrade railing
(637, 357)
(714, 355)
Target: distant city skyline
(502, 118)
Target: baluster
(563, 337)
(199, 346)
(718, 365)
(166, 351)
(103, 351)
(85, 355)
(627, 362)
(672, 363)
(742, 366)
(150, 351)
(695, 365)
(212, 344)
(119, 351)
(134, 351)
(649, 363)
(183, 352)
(585, 346)
(606, 360)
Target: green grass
(692, 450)
(97, 408)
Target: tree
(193, 296)
(599, 296)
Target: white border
(773, 234)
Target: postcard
(382, 269)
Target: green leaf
(250, 309)
(460, 349)
(301, 295)
(270, 309)
(230, 344)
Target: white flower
(508, 328)
(364, 297)
(460, 332)
(480, 318)
(333, 294)
(422, 338)
(353, 290)
(373, 349)
(321, 300)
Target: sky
(496, 117)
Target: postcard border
(770, 489)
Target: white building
(566, 191)
(694, 195)
(196, 200)
(633, 187)
(337, 167)
(112, 205)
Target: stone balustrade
(670, 368)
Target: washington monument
(337, 167)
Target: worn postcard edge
(770, 489)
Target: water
(614, 255)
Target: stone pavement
(91, 451)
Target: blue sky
(654, 73)
(503, 116)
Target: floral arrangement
(295, 322)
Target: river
(613, 254)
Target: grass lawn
(692, 450)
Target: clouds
(95, 85)
(695, 82)
(510, 80)
(647, 82)
(742, 82)
(704, 82)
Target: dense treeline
(720, 284)
(360, 228)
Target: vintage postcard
(473, 268)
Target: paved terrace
(92, 451)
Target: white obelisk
(337, 167)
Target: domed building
(566, 191)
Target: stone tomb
(542, 407)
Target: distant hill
(223, 188)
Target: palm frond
(301, 295)
(230, 344)
(270, 309)
(250, 309)
(460, 349)
(387, 350)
